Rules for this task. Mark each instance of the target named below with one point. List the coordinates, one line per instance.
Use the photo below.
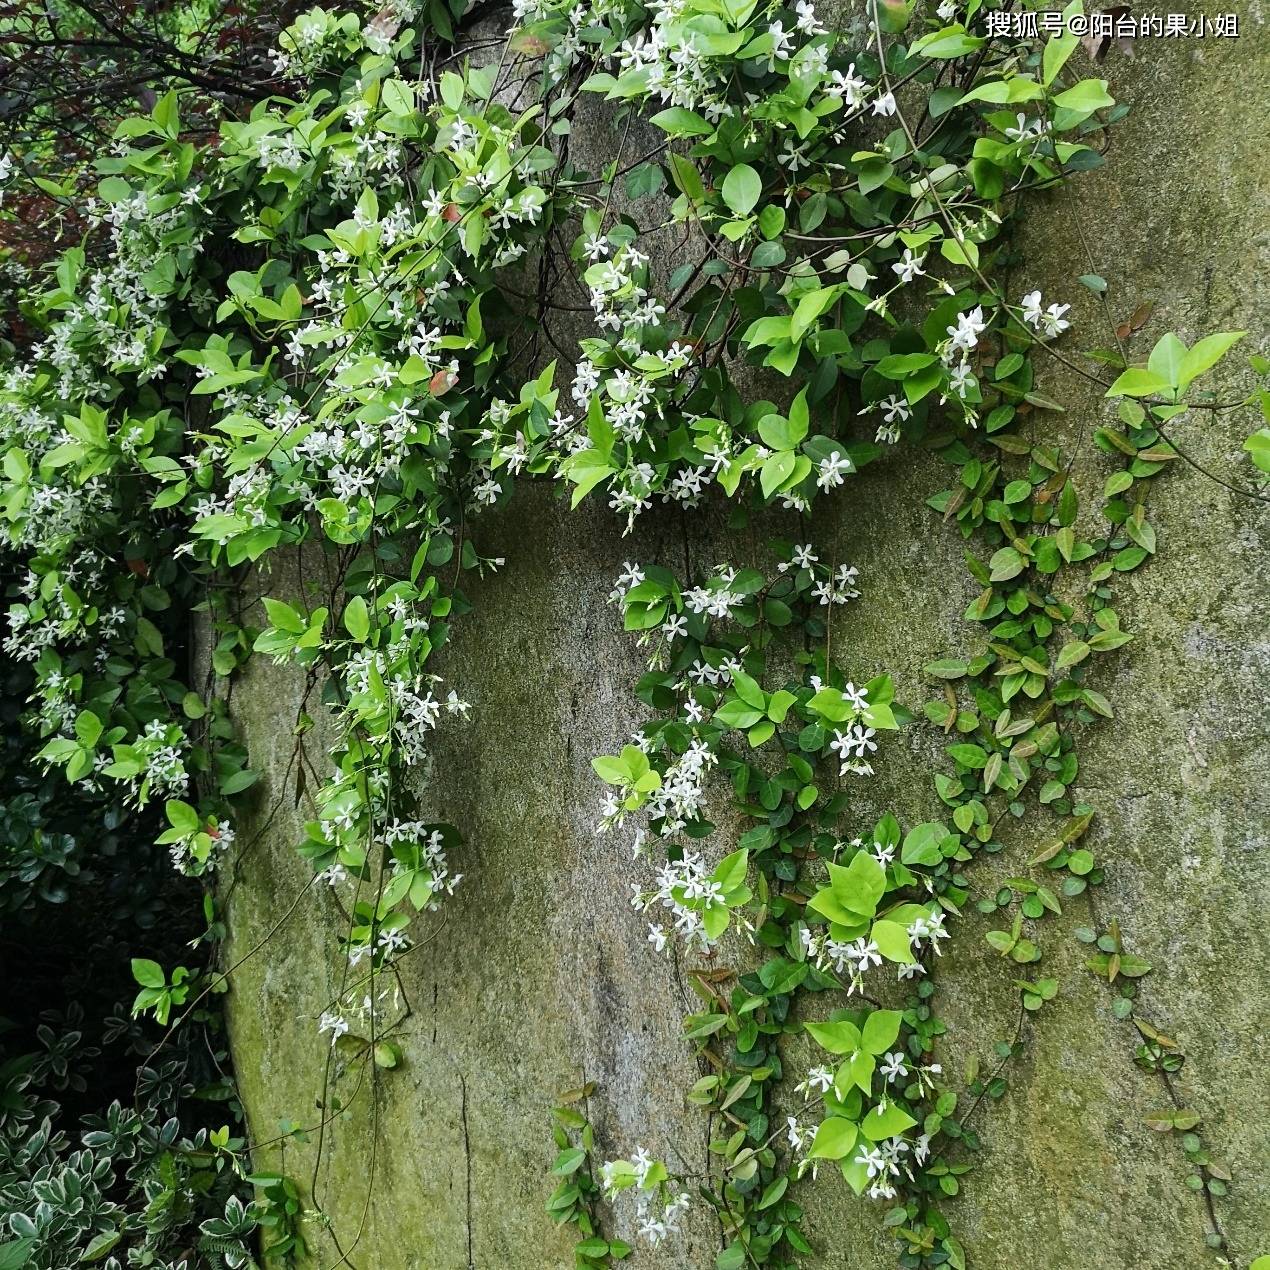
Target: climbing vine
(832, 913)
(330, 336)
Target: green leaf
(183, 818)
(1005, 564)
(830, 704)
(893, 942)
(1180, 1118)
(1166, 358)
(922, 842)
(612, 771)
(902, 365)
(834, 1138)
(1001, 92)
(568, 1161)
(1136, 382)
(860, 885)
(357, 618)
(968, 755)
(736, 714)
(686, 177)
(779, 433)
(1258, 446)
(99, 1246)
(778, 706)
(1057, 50)
(748, 690)
(149, 974)
(827, 903)
(893, 16)
(682, 123)
(781, 976)
(1206, 354)
(1086, 97)
(1071, 654)
(774, 1192)
(586, 470)
(16, 1254)
(397, 97)
(283, 617)
(856, 1174)
(742, 188)
(880, 1030)
(387, 1054)
(810, 306)
(949, 43)
(88, 727)
(776, 471)
(236, 782)
(644, 181)
(878, 1125)
(730, 871)
(841, 1037)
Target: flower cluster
(660, 1203)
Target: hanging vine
(321, 334)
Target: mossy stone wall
(537, 974)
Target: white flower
(807, 21)
(818, 1078)
(795, 1134)
(630, 577)
(884, 105)
(782, 43)
(864, 953)
(929, 928)
(656, 936)
(896, 408)
(910, 266)
(1026, 129)
(390, 941)
(961, 379)
(894, 1066)
(1052, 320)
(833, 470)
(849, 86)
(965, 335)
(858, 698)
(336, 1024)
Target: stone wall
(537, 975)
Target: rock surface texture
(537, 975)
